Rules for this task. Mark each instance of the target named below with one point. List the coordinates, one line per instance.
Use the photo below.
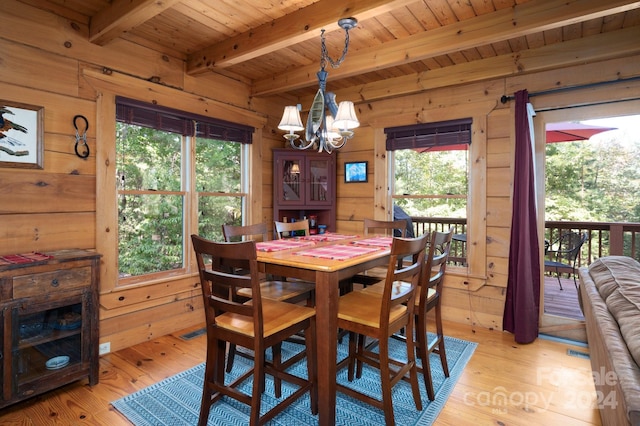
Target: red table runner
(12, 259)
(337, 252)
(375, 241)
(277, 245)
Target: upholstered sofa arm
(615, 372)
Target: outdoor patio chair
(563, 255)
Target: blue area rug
(176, 400)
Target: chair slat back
(219, 285)
(373, 226)
(569, 245)
(281, 227)
(409, 272)
(435, 263)
(255, 232)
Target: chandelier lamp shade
(329, 125)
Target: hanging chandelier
(325, 132)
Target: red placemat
(337, 252)
(328, 236)
(277, 245)
(12, 259)
(375, 241)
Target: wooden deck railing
(605, 238)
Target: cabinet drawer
(46, 282)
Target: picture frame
(21, 135)
(356, 172)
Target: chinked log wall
(62, 206)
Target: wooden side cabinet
(304, 185)
(49, 318)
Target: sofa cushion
(617, 279)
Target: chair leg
(352, 355)
(413, 371)
(421, 341)
(312, 365)
(361, 349)
(258, 385)
(441, 350)
(276, 351)
(385, 377)
(558, 276)
(231, 357)
(214, 362)
(205, 404)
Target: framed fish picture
(21, 135)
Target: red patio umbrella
(556, 132)
(569, 132)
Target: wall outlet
(104, 348)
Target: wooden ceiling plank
(482, 7)
(123, 15)
(589, 49)
(294, 28)
(206, 16)
(505, 24)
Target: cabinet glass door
(319, 178)
(291, 180)
(46, 341)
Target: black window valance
(429, 135)
(139, 113)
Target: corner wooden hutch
(304, 185)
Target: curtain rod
(504, 99)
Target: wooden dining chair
(284, 229)
(281, 290)
(385, 227)
(430, 299)
(363, 313)
(379, 227)
(256, 232)
(275, 289)
(256, 326)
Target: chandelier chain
(325, 55)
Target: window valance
(429, 136)
(139, 113)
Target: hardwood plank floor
(504, 383)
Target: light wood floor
(504, 384)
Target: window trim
(185, 124)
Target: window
(178, 174)
(431, 168)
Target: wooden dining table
(325, 262)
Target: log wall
(44, 61)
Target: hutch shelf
(304, 186)
(49, 317)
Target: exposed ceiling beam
(296, 27)
(122, 15)
(521, 20)
(622, 43)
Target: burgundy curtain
(521, 311)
